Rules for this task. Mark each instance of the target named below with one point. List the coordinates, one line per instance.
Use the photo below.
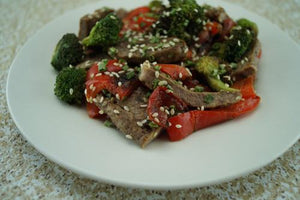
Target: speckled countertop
(27, 174)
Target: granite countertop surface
(27, 174)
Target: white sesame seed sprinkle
(156, 74)
(143, 105)
(169, 91)
(130, 55)
(71, 91)
(180, 75)
(107, 73)
(178, 126)
(119, 84)
(185, 50)
(101, 112)
(116, 111)
(126, 108)
(202, 108)
(85, 91)
(155, 114)
(128, 137)
(162, 108)
(239, 42)
(161, 83)
(140, 124)
(167, 112)
(172, 112)
(99, 74)
(101, 99)
(156, 120)
(118, 96)
(190, 73)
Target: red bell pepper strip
(137, 20)
(112, 66)
(175, 70)
(246, 87)
(198, 119)
(92, 110)
(160, 98)
(214, 28)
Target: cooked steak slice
(195, 99)
(167, 50)
(88, 21)
(89, 61)
(248, 66)
(130, 117)
(121, 13)
(216, 14)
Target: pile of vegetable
(214, 47)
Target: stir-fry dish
(159, 69)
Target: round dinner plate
(67, 136)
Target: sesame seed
(101, 99)
(112, 17)
(128, 46)
(202, 108)
(126, 108)
(172, 43)
(185, 50)
(242, 62)
(190, 73)
(248, 32)
(161, 83)
(180, 75)
(118, 96)
(101, 112)
(91, 86)
(195, 10)
(178, 126)
(156, 120)
(169, 91)
(172, 112)
(95, 100)
(130, 55)
(71, 66)
(176, 40)
(119, 84)
(128, 137)
(155, 114)
(231, 37)
(239, 42)
(143, 105)
(116, 111)
(139, 124)
(167, 112)
(99, 74)
(130, 70)
(154, 63)
(226, 85)
(107, 73)
(156, 74)
(142, 45)
(162, 108)
(170, 124)
(246, 59)
(71, 91)
(85, 91)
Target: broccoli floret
(239, 42)
(69, 85)
(182, 19)
(156, 5)
(105, 32)
(209, 67)
(245, 23)
(68, 51)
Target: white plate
(68, 137)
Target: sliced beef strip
(126, 120)
(88, 21)
(121, 13)
(89, 61)
(168, 50)
(248, 65)
(216, 14)
(195, 99)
